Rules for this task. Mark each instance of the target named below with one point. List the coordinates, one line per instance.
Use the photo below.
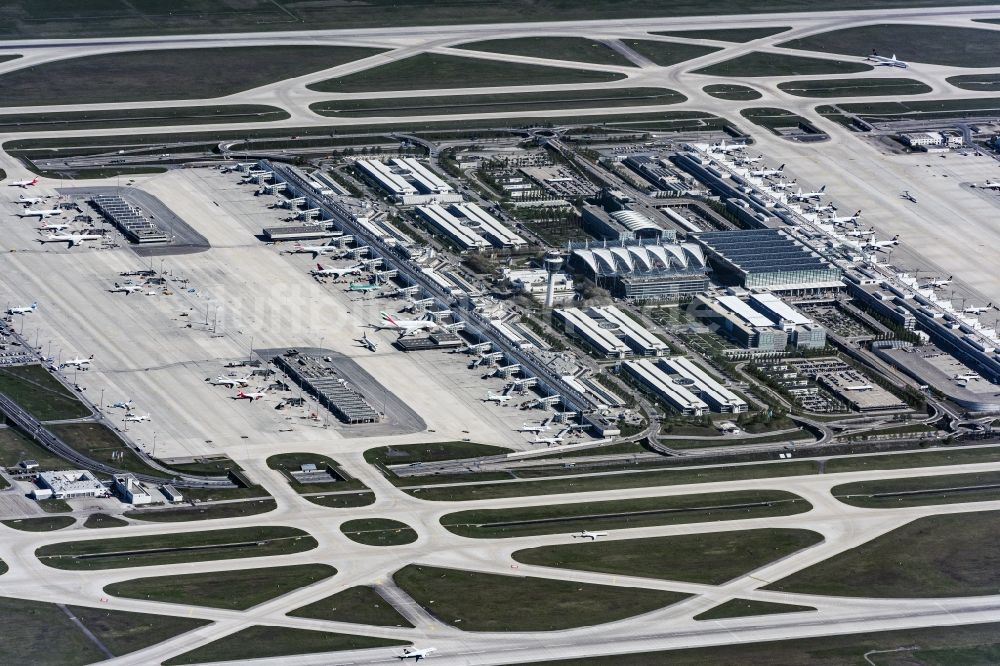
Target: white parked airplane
(371, 345)
(40, 213)
(825, 208)
(314, 250)
(878, 245)
(497, 398)
(844, 220)
(967, 376)
(231, 382)
(137, 418)
(23, 183)
(414, 654)
(127, 405)
(54, 226)
(768, 172)
(587, 534)
(977, 309)
(251, 396)
(126, 288)
(28, 201)
(806, 196)
(988, 185)
(72, 239)
(937, 283)
(536, 429)
(723, 147)
(335, 273)
(23, 310)
(555, 439)
(782, 184)
(79, 362)
(888, 62)
(405, 326)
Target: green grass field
(139, 76)
(920, 491)
(234, 590)
(360, 605)
(963, 645)
(519, 102)
(935, 556)
(15, 447)
(286, 463)
(934, 44)
(44, 524)
(732, 92)
(343, 501)
(261, 641)
(924, 109)
(623, 514)
(100, 443)
(748, 608)
(955, 456)
(881, 87)
(477, 601)
(741, 35)
(758, 63)
(102, 520)
(979, 82)
(42, 632)
(433, 452)
(665, 54)
(428, 71)
(39, 393)
(577, 49)
(205, 511)
(771, 118)
(711, 558)
(378, 532)
(181, 115)
(175, 547)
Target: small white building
(172, 494)
(131, 491)
(72, 484)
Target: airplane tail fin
(823, 189)
(781, 168)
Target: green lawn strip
(759, 63)
(204, 511)
(175, 547)
(7, 58)
(665, 54)
(576, 49)
(798, 436)
(359, 604)
(478, 601)
(933, 44)
(963, 645)
(924, 109)
(432, 71)
(101, 520)
(154, 74)
(378, 532)
(920, 491)
(771, 118)
(622, 514)
(741, 35)
(286, 463)
(625, 480)
(937, 556)
(261, 641)
(213, 494)
(433, 452)
(45, 524)
(40, 394)
(15, 446)
(41, 632)
(99, 442)
(214, 466)
(234, 590)
(180, 115)
(494, 103)
(3, 567)
(980, 82)
(854, 87)
(711, 558)
(343, 501)
(732, 92)
(748, 608)
(932, 458)
(55, 506)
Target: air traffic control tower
(553, 262)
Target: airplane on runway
(23, 310)
(231, 382)
(29, 201)
(371, 345)
(977, 309)
(844, 220)
(806, 196)
(40, 213)
(314, 250)
(23, 183)
(335, 273)
(888, 62)
(587, 534)
(536, 429)
(497, 398)
(768, 172)
(137, 418)
(414, 654)
(126, 288)
(878, 245)
(127, 405)
(78, 362)
(909, 197)
(937, 283)
(72, 239)
(251, 396)
(988, 185)
(405, 326)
